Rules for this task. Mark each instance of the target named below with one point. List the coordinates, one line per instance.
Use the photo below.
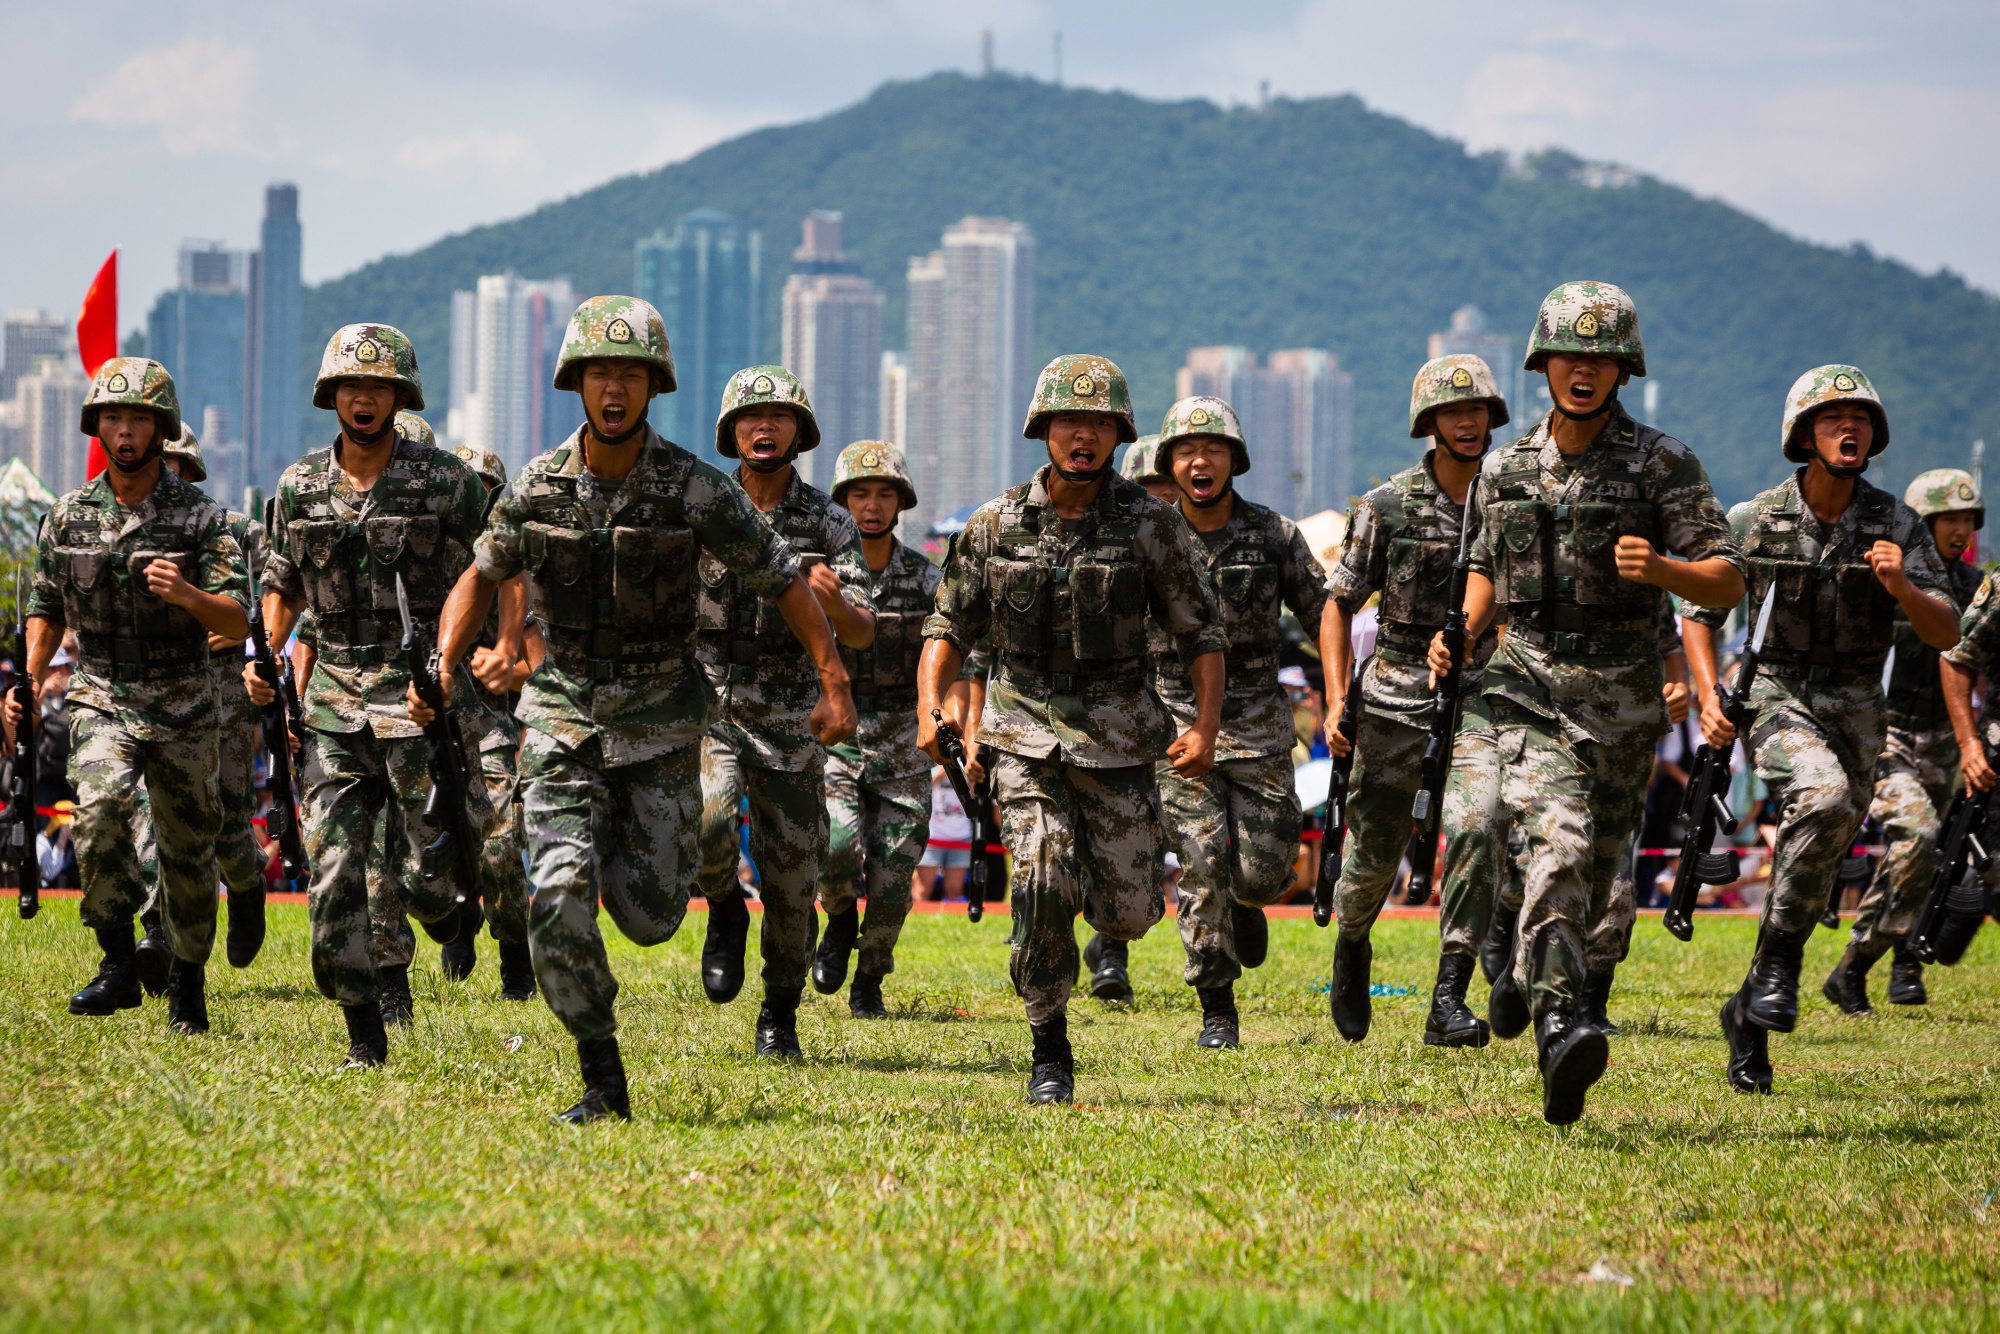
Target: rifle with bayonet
(281, 822)
(1335, 837)
(953, 746)
(1955, 906)
(1705, 804)
(1427, 810)
(457, 843)
(20, 817)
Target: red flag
(97, 337)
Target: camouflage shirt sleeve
(282, 574)
(728, 526)
(1364, 559)
(1922, 564)
(1693, 526)
(1302, 580)
(1978, 647)
(962, 614)
(497, 553)
(220, 569)
(45, 593)
(843, 553)
(1742, 519)
(1182, 600)
(464, 514)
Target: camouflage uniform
(1978, 654)
(1067, 709)
(338, 551)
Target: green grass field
(897, 1180)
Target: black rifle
(1427, 811)
(1956, 904)
(1335, 836)
(457, 842)
(986, 836)
(21, 785)
(1705, 804)
(953, 746)
(281, 822)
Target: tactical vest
(1249, 592)
(1057, 627)
(349, 567)
(884, 675)
(1832, 618)
(613, 602)
(1554, 564)
(124, 632)
(1916, 695)
(743, 636)
(1416, 585)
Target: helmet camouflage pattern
(1597, 319)
(369, 352)
(607, 327)
(484, 462)
(1202, 415)
(753, 387)
(1460, 378)
(1824, 385)
(133, 382)
(1142, 460)
(413, 427)
(869, 459)
(1076, 383)
(187, 448)
(1946, 491)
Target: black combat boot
(722, 951)
(830, 959)
(1596, 996)
(1107, 959)
(1771, 992)
(1251, 933)
(1847, 985)
(1906, 978)
(367, 1040)
(1053, 1078)
(517, 971)
(246, 928)
(187, 997)
(1219, 1030)
(1496, 952)
(1452, 1023)
(154, 957)
(460, 954)
(778, 1025)
(399, 1008)
(1749, 1048)
(1348, 994)
(864, 998)
(1573, 1055)
(604, 1093)
(116, 986)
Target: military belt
(1247, 663)
(1814, 667)
(359, 655)
(123, 658)
(1613, 641)
(604, 654)
(1405, 645)
(1034, 677)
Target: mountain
(1161, 226)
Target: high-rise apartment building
(895, 393)
(706, 280)
(196, 330)
(1468, 333)
(47, 406)
(505, 335)
(971, 365)
(832, 340)
(27, 335)
(1297, 413)
(273, 397)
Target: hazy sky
(136, 125)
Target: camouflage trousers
(108, 765)
(503, 878)
(237, 856)
(879, 828)
(1083, 840)
(1815, 749)
(1912, 785)
(622, 836)
(1387, 772)
(390, 941)
(1579, 804)
(349, 779)
(787, 843)
(1236, 829)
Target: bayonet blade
(409, 630)
(1764, 619)
(1465, 515)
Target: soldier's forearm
(513, 618)
(1933, 619)
(464, 612)
(1479, 605)
(219, 615)
(853, 626)
(937, 670)
(281, 613)
(1336, 648)
(1698, 648)
(1706, 583)
(802, 612)
(1957, 685)
(1207, 673)
(44, 637)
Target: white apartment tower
(515, 328)
(832, 340)
(1468, 333)
(1297, 412)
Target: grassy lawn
(896, 1180)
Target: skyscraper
(706, 280)
(196, 331)
(895, 426)
(971, 365)
(273, 398)
(1297, 414)
(832, 340)
(27, 335)
(505, 337)
(48, 402)
(1468, 333)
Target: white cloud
(197, 94)
(478, 149)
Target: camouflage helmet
(869, 459)
(369, 352)
(1946, 491)
(1202, 415)
(753, 387)
(414, 428)
(607, 327)
(133, 382)
(1596, 319)
(1075, 383)
(1142, 461)
(484, 462)
(1824, 385)
(1461, 378)
(186, 448)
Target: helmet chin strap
(777, 464)
(638, 425)
(1485, 444)
(1074, 477)
(1228, 489)
(1593, 414)
(367, 438)
(1846, 472)
(152, 451)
